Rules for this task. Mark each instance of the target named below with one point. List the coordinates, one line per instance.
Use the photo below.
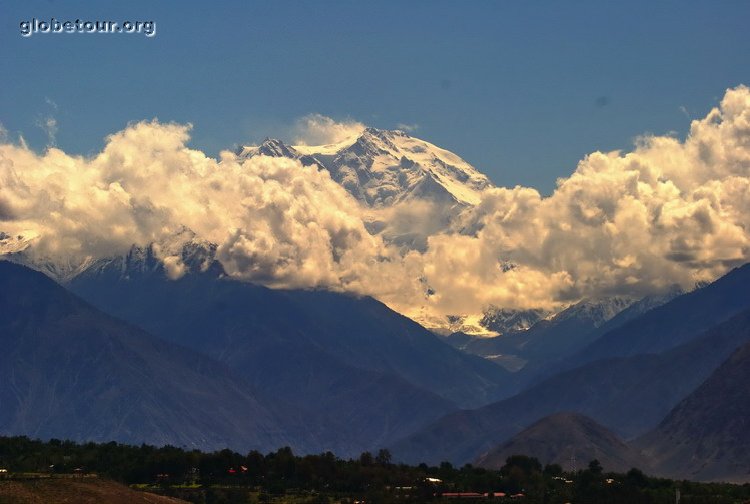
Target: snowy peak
(592, 313)
(595, 312)
(270, 147)
(385, 167)
(14, 244)
(183, 247)
(195, 256)
(17, 248)
(374, 142)
(503, 320)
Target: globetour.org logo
(28, 28)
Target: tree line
(371, 477)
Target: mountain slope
(675, 322)
(70, 371)
(628, 395)
(707, 435)
(559, 437)
(238, 322)
(352, 363)
(537, 370)
(550, 339)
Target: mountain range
(114, 348)
(535, 339)
(628, 394)
(349, 361)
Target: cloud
(409, 128)
(671, 211)
(626, 224)
(317, 129)
(274, 221)
(49, 126)
(48, 123)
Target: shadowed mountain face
(276, 338)
(69, 371)
(707, 435)
(629, 395)
(351, 362)
(561, 359)
(558, 438)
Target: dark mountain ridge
(68, 370)
(565, 437)
(707, 435)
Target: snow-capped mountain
(382, 168)
(503, 320)
(195, 256)
(10, 244)
(595, 312)
(15, 248)
(535, 335)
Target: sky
(522, 90)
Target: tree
(636, 478)
(519, 471)
(383, 457)
(366, 459)
(595, 467)
(553, 470)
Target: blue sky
(522, 90)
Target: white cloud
(275, 221)
(668, 212)
(48, 124)
(317, 129)
(409, 128)
(50, 102)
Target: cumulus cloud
(317, 129)
(273, 220)
(667, 212)
(633, 223)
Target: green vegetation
(281, 477)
